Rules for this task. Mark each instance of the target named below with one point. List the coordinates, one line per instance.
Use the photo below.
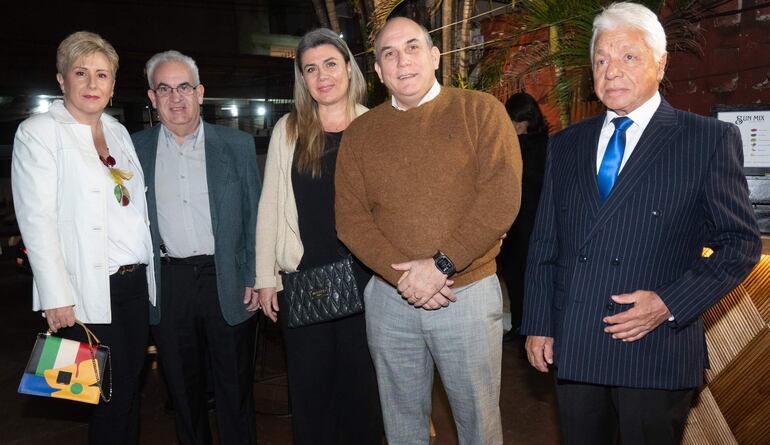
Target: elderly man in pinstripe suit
(616, 283)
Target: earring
(110, 101)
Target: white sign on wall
(755, 134)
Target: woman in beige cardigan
(331, 378)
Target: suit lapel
(586, 165)
(149, 151)
(661, 127)
(217, 169)
(146, 145)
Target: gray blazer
(234, 188)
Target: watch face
(444, 265)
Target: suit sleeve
(541, 262)
(734, 236)
(34, 178)
(356, 227)
(497, 192)
(250, 196)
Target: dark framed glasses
(185, 89)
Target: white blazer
(61, 208)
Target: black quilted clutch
(322, 293)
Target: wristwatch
(444, 264)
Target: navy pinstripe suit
(681, 189)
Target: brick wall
(735, 66)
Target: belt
(201, 265)
(129, 268)
(197, 260)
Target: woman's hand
(60, 317)
(268, 300)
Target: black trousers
(332, 385)
(117, 422)
(597, 415)
(192, 327)
(513, 264)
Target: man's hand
(648, 313)
(442, 299)
(539, 352)
(421, 280)
(60, 317)
(251, 299)
(268, 301)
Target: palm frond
(435, 8)
(380, 16)
(555, 35)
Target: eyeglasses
(185, 89)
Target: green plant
(556, 34)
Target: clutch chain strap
(91, 335)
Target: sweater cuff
(266, 281)
(456, 252)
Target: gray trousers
(464, 340)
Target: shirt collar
(60, 113)
(429, 96)
(641, 116)
(192, 137)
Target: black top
(315, 210)
(533, 154)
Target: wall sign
(753, 121)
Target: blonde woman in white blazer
(331, 377)
(78, 192)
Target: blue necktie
(613, 157)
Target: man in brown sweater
(426, 185)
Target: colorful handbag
(67, 369)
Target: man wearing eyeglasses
(203, 187)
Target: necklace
(118, 175)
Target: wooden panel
(706, 425)
(741, 390)
(735, 406)
(754, 429)
(730, 326)
(757, 284)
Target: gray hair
(633, 15)
(170, 56)
(424, 30)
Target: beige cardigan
(278, 245)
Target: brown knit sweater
(442, 176)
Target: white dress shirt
(429, 96)
(182, 195)
(127, 241)
(641, 117)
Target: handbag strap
(343, 250)
(89, 334)
(93, 339)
